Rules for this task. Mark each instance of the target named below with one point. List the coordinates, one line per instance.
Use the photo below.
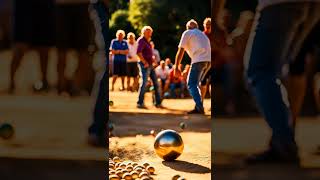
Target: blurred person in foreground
(197, 45)
(98, 127)
(308, 57)
(132, 63)
(73, 32)
(119, 48)
(33, 29)
(146, 66)
(280, 27)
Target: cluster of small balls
(129, 170)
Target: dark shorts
(311, 45)
(207, 78)
(132, 69)
(74, 28)
(33, 22)
(119, 67)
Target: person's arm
(146, 64)
(124, 52)
(178, 60)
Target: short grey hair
(192, 24)
(145, 28)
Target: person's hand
(154, 64)
(176, 72)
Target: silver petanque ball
(168, 145)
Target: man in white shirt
(197, 45)
(132, 60)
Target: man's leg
(114, 79)
(18, 53)
(194, 77)
(144, 75)
(44, 56)
(61, 86)
(84, 75)
(154, 79)
(273, 32)
(98, 129)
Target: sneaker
(270, 156)
(141, 106)
(196, 111)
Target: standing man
(132, 60)
(146, 65)
(197, 45)
(119, 48)
(279, 30)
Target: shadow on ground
(185, 166)
(232, 166)
(131, 124)
(40, 169)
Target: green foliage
(119, 20)
(115, 5)
(167, 18)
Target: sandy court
(133, 141)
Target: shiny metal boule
(168, 145)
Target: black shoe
(97, 141)
(271, 157)
(196, 111)
(159, 106)
(141, 106)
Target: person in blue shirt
(119, 49)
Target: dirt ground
(133, 141)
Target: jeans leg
(154, 79)
(194, 77)
(100, 113)
(270, 40)
(142, 88)
(172, 90)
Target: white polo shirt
(132, 52)
(197, 45)
(162, 73)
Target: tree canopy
(166, 17)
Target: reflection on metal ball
(168, 145)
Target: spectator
(162, 73)
(146, 66)
(132, 60)
(175, 83)
(156, 53)
(168, 63)
(120, 50)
